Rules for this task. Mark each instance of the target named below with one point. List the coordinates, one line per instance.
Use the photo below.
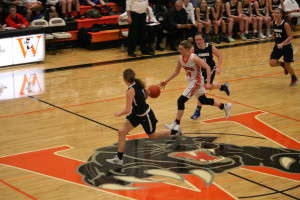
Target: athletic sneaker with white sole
(170, 126)
(227, 108)
(115, 161)
(179, 131)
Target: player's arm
(129, 99)
(173, 75)
(289, 34)
(147, 92)
(203, 64)
(220, 58)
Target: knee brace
(206, 101)
(180, 102)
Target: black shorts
(286, 52)
(212, 76)
(148, 121)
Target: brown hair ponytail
(129, 75)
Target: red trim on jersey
(185, 61)
(198, 80)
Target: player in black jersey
(202, 17)
(216, 16)
(141, 113)
(206, 51)
(283, 46)
(274, 4)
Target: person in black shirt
(283, 46)
(176, 22)
(205, 51)
(141, 113)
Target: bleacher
(95, 37)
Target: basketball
(154, 91)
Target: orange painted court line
(255, 108)
(31, 197)
(27, 113)
(288, 126)
(233, 179)
(256, 76)
(17, 179)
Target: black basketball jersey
(206, 54)
(246, 9)
(203, 14)
(139, 105)
(279, 32)
(234, 9)
(218, 14)
(261, 8)
(275, 4)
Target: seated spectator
(69, 4)
(94, 4)
(216, 16)
(3, 14)
(234, 14)
(20, 6)
(34, 9)
(188, 6)
(202, 14)
(16, 20)
(262, 11)
(54, 9)
(176, 22)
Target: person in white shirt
(188, 6)
(137, 11)
(153, 29)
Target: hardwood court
(253, 155)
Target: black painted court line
(275, 191)
(33, 98)
(226, 134)
(154, 56)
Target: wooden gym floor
(54, 145)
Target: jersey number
(278, 35)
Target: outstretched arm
(173, 75)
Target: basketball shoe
(226, 88)
(227, 108)
(115, 160)
(175, 127)
(294, 82)
(196, 115)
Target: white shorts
(194, 88)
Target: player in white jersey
(192, 65)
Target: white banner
(6, 51)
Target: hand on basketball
(162, 84)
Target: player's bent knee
(181, 101)
(206, 101)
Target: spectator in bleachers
(69, 4)
(216, 16)
(94, 4)
(262, 11)
(202, 14)
(54, 9)
(20, 6)
(194, 2)
(3, 14)
(15, 19)
(234, 14)
(34, 7)
(137, 12)
(273, 5)
(248, 18)
(188, 6)
(176, 22)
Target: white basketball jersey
(193, 72)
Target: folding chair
(59, 30)
(123, 28)
(48, 36)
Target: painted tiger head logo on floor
(172, 157)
